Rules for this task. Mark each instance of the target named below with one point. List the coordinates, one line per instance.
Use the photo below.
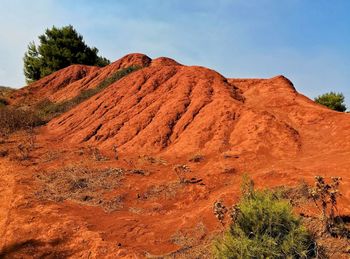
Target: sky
(307, 41)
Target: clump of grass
(96, 154)
(47, 109)
(155, 192)
(264, 226)
(197, 158)
(4, 152)
(3, 102)
(153, 160)
(180, 171)
(117, 75)
(14, 119)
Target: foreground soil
(134, 171)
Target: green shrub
(116, 76)
(334, 101)
(264, 227)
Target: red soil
(68, 82)
(49, 85)
(262, 127)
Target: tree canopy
(332, 100)
(58, 48)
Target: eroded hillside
(134, 170)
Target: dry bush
(139, 172)
(27, 144)
(4, 152)
(197, 158)
(3, 102)
(23, 152)
(229, 170)
(96, 154)
(163, 191)
(15, 119)
(180, 171)
(153, 160)
(50, 155)
(82, 184)
(325, 196)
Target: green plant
(116, 76)
(334, 101)
(58, 48)
(264, 226)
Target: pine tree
(332, 100)
(58, 48)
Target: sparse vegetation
(153, 160)
(3, 102)
(325, 195)
(5, 92)
(82, 184)
(332, 100)
(220, 211)
(4, 152)
(96, 154)
(15, 119)
(154, 192)
(180, 171)
(23, 152)
(197, 158)
(47, 109)
(263, 226)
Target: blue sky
(308, 41)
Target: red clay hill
(180, 110)
(68, 82)
(163, 116)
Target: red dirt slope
(68, 82)
(183, 110)
(159, 117)
(45, 87)
(94, 79)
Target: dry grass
(328, 246)
(82, 184)
(197, 158)
(193, 242)
(96, 154)
(181, 170)
(153, 160)
(164, 191)
(4, 152)
(50, 156)
(14, 119)
(336, 246)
